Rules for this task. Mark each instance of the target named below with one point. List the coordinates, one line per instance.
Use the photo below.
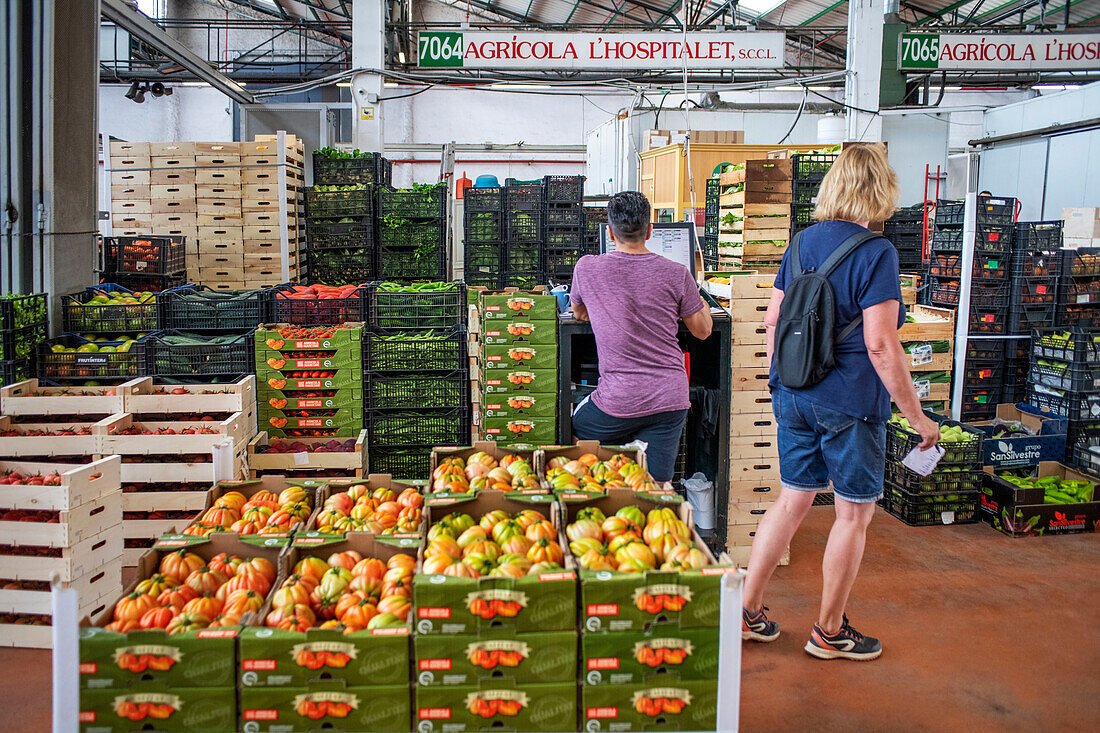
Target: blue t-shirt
(866, 277)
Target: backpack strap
(849, 245)
(794, 262)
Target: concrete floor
(980, 632)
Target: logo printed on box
(601, 713)
(260, 714)
(433, 612)
(259, 665)
(603, 609)
(603, 663)
(434, 665)
(433, 713)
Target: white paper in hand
(923, 461)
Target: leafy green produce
(938, 347)
(26, 310)
(337, 154)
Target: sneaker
(757, 627)
(845, 644)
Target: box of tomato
(519, 405)
(495, 705)
(527, 357)
(519, 332)
(167, 708)
(326, 705)
(619, 657)
(464, 659)
(282, 337)
(650, 706)
(518, 305)
(520, 430)
(520, 381)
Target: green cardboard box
(443, 604)
(520, 406)
(673, 706)
(612, 601)
(326, 706)
(496, 707)
(656, 655)
(520, 381)
(333, 379)
(349, 358)
(519, 332)
(347, 339)
(521, 430)
(159, 707)
(323, 419)
(520, 356)
(470, 659)
(518, 306)
(321, 399)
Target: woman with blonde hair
(834, 430)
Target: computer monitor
(674, 240)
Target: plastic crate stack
(207, 334)
(146, 263)
(24, 325)
(905, 230)
(105, 332)
(485, 236)
(950, 494)
(518, 361)
(711, 217)
(808, 172)
(341, 230)
(416, 382)
(564, 235)
(1065, 382)
(1035, 274)
(412, 233)
(309, 380)
(594, 216)
(1079, 302)
(524, 232)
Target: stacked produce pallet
(951, 493)
(484, 262)
(524, 231)
(341, 230)
(412, 233)
(807, 172)
(519, 367)
(24, 325)
(1080, 288)
(905, 230)
(565, 228)
(132, 178)
(755, 206)
(711, 216)
(927, 337)
(1035, 275)
(264, 203)
(754, 464)
(207, 334)
(1065, 382)
(416, 381)
(142, 263)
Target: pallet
(80, 484)
(240, 396)
(19, 399)
(85, 557)
(74, 525)
(354, 463)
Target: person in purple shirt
(635, 300)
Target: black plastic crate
(985, 349)
(326, 234)
(404, 462)
(982, 372)
(710, 228)
(802, 214)
(805, 192)
(1082, 316)
(94, 362)
(594, 216)
(900, 441)
(806, 166)
(989, 321)
(1073, 406)
(143, 255)
(144, 283)
(523, 280)
(93, 311)
(523, 197)
(1086, 459)
(484, 258)
(895, 227)
(414, 203)
(430, 306)
(17, 370)
(563, 189)
(991, 210)
(558, 264)
(927, 510)
(418, 427)
(199, 308)
(1079, 290)
(524, 226)
(23, 342)
(565, 237)
(415, 351)
(348, 266)
(936, 483)
(1066, 344)
(1025, 318)
(945, 265)
(411, 265)
(709, 246)
(522, 257)
(352, 203)
(944, 292)
(1081, 262)
(1038, 235)
(313, 311)
(484, 226)
(982, 295)
(1035, 290)
(416, 391)
(173, 353)
(483, 199)
(489, 280)
(424, 236)
(1036, 263)
(989, 239)
(370, 168)
(557, 215)
(1064, 375)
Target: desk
(710, 373)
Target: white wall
(188, 114)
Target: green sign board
(438, 49)
(919, 51)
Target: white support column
(861, 89)
(368, 51)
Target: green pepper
(1057, 497)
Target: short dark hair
(628, 214)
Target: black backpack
(804, 340)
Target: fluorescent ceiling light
(1057, 87)
(344, 84)
(390, 84)
(519, 86)
(759, 7)
(401, 56)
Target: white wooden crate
(164, 501)
(353, 462)
(152, 528)
(79, 484)
(157, 473)
(233, 428)
(28, 398)
(41, 637)
(237, 397)
(80, 559)
(73, 526)
(103, 585)
(48, 445)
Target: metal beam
(938, 14)
(826, 11)
(1070, 4)
(140, 27)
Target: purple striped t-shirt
(635, 302)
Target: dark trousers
(661, 431)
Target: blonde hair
(860, 186)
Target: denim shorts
(818, 444)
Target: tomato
(133, 607)
(179, 564)
(205, 580)
(157, 618)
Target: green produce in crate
(337, 154)
(430, 287)
(27, 310)
(1055, 490)
(938, 347)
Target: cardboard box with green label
(519, 356)
(519, 381)
(519, 332)
(659, 706)
(520, 430)
(519, 406)
(327, 705)
(466, 659)
(315, 338)
(166, 708)
(655, 655)
(533, 708)
(522, 306)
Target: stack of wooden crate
(232, 201)
(929, 351)
(754, 456)
(754, 216)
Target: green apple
(87, 349)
